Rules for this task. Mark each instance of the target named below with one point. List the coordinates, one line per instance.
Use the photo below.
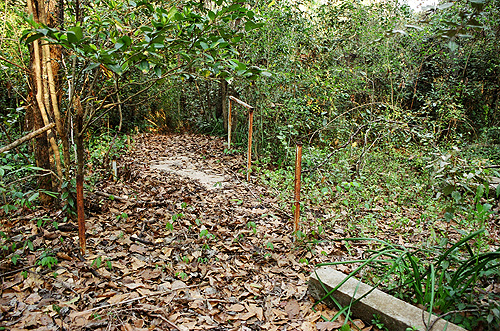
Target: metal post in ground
(298, 161)
(250, 129)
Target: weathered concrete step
(396, 314)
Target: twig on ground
(142, 241)
(166, 321)
(142, 297)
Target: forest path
(167, 249)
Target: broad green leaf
(345, 327)
(498, 191)
(204, 45)
(172, 12)
(116, 68)
(158, 71)
(447, 190)
(77, 30)
(453, 46)
(123, 41)
(211, 15)
(72, 37)
(249, 25)
(33, 37)
(144, 66)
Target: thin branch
(26, 138)
(345, 113)
(14, 64)
(142, 297)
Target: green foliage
(439, 278)
(13, 194)
(47, 259)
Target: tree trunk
(40, 60)
(43, 86)
(41, 153)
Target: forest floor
(181, 241)
(168, 252)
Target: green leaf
(116, 68)
(172, 12)
(33, 37)
(447, 190)
(345, 327)
(72, 37)
(124, 41)
(498, 191)
(204, 45)
(453, 46)
(144, 66)
(91, 66)
(157, 71)
(211, 15)
(479, 192)
(78, 32)
(249, 25)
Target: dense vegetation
(398, 111)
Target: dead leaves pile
(165, 253)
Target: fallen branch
(26, 138)
(142, 241)
(111, 196)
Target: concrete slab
(396, 314)
(182, 166)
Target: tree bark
(41, 151)
(40, 83)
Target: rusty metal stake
(250, 128)
(81, 213)
(229, 127)
(298, 161)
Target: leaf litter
(165, 251)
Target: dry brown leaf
(292, 309)
(118, 298)
(358, 324)
(328, 326)
(149, 274)
(236, 308)
(33, 298)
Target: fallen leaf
(292, 309)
